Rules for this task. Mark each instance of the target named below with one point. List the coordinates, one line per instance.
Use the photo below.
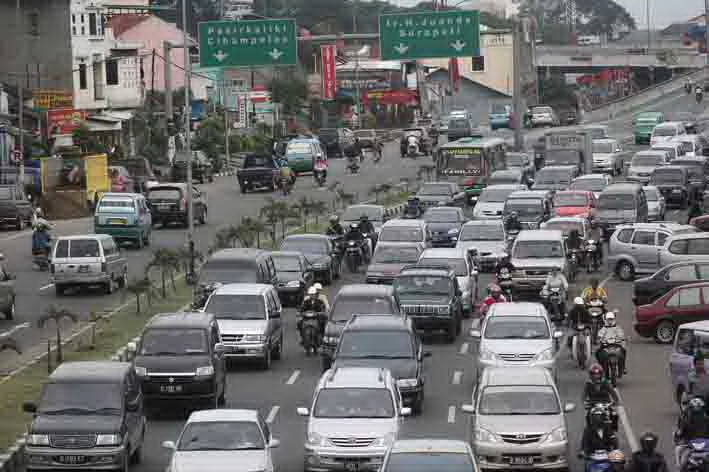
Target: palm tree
(333, 188)
(163, 259)
(274, 211)
(304, 208)
(245, 233)
(57, 315)
(225, 237)
(257, 226)
(345, 198)
(139, 287)
(95, 319)
(318, 207)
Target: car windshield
(164, 194)
(422, 284)
(458, 124)
(503, 178)
(541, 110)
(396, 255)
(687, 145)
(221, 436)
(549, 176)
(482, 232)
(565, 226)
(429, 461)
(695, 171)
(523, 207)
(81, 398)
(665, 131)
(596, 133)
(237, 307)
(522, 400)
(603, 147)
(570, 200)
(306, 246)
(616, 201)
(354, 403)
(562, 157)
(400, 234)
(441, 216)
(498, 108)
(380, 344)
(299, 148)
(516, 327)
(592, 185)
(645, 161)
(354, 213)
(173, 342)
(345, 306)
(84, 248)
(287, 263)
(457, 264)
(495, 195)
(667, 176)
(435, 189)
(538, 249)
(226, 272)
(116, 205)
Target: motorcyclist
(595, 235)
(578, 315)
(611, 333)
(597, 389)
(597, 435)
(646, 459)
(286, 173)
(513, 223)
(335, 229)
(413, 207)
(355, 234)
(367, 228)
(699, 92)
(693, 424)
(689, 85)
(494, 295)
(594, 292)
(41, 239)
(556, 279)
(312, 303)
(322, 296)
(504, 263)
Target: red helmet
(595, 372)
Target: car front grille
(232, 338)
(72, 441)
(537, 272)
(352, 442)
(521, 438)
(517, 357)
(425, 309)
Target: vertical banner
(454, 72)
(327, 53)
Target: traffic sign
(426, 35)
(248, 43)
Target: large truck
(569, 147)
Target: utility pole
(167, 63)
(517, 84)
(21, 104)
(226, 123)
(706, 32)
(188, 140)
(649, 30)
(357, 89)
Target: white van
(666, 131)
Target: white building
(107, 72)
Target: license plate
(71, 459)
(170, 388)
(352, 466)
(116, 222)
(83, 269)
(521, 460)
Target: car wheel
(10, 315)
(418, 403)
(109, 286)
(123, 281)
(266, 361)
(20, 223)
(452, 330)
(59, 290)
(242, 188)
(665, 332)
(146, 239)
(278, 351)
(625, 271)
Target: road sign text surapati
(429, 34)
(248, 43)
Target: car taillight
(468, 182)
(51, 268)
(183, 204)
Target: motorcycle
(553, 299)
(353, 166)
(596, 308)
(699, 95)
(688, 88)
(698, 456)
(610, 417)
(286, 186)
(320, 175)
(574, 263)
(612, 353)
(591, 263)
(377, 156)
(597, 461)
(504, 280)
(40, 258)
(581, 345)
(353, 255)
(310, 332)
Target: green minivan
(302, 153)
(125, 216)
(644, 123)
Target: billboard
(328, 53)
(64, 121)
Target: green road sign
(248, 43)
(428, 35)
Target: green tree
(304, 208)
(56, 315)
(209, 138)
(318, 208)
(290, 93)
(272, 213)
(257, 226)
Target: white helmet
(312, 290)
(610, 319)
(317, 286)
(578, 301)
(38, 212)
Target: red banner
(454, 72)
(398, 97)
(329, 85)
(64, 121)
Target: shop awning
(96, 126)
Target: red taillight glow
(183, 203)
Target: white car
(667, 131)
(591, 182)
(607, 156)
(223, 441)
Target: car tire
(266, 361)
(108, 287)
(665, 332)
(139, 243)
(242, 188)
(278, 351)
(417, 407)
(625, 271)
(20, 224)
(10, 315)
(59, 290)
(146, 239)
(451, 331)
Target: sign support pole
(21, 107)
(517, 85)
(188, 141)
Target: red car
(680, 305)
(578, 203)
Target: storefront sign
(329, 86)
(64, 121)
(398, 97)
(47, 99)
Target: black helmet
(648, 442)
(363, 219)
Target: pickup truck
(257, 170)
(15, 209)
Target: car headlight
(407, 383)
(545, 355)
(109, 440)
(205, 371)
(533, 225)
(38, 440)
(486, 355)
(140, 371)
(386, 440)
(483, 435)
(315, 439)
(558, 435)
(329, 339)
(255, 338)
(453, 231)
(293, 283)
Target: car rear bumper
(79, 279)
(119, 232)
(338, 459)
(431, 323)
(246, 351)
(169, 216)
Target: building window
(111, 72)
(82, 77)
(478, 64)
(73, 30)
(83, 31)
(82, 18)
(73, 19)
(92, 24)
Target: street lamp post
(188, 143)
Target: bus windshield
(461, 161)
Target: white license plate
(71, 459)
(170, 388)
(352, 466)
(521, 460)
(83, 269)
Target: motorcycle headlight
(483, 435)
(204, 371)
(486, 355)
(545, 355)
(140, 371)
(407, 383)
(453, 231)
(329, 339)
(38, 440)
(293, 283)
(254, 338)
(109, 440)
(315, 439)
(557, 435)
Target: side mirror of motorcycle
(558, 334)
(569, 407)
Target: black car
(673, 184)
(88, 413)
(387, 342)
(202, 170)
(15, 209)
(440, 194)
(319, 251)
(257, 171)
(365, 299)
(168, 204)
(697, 172)
(294, 276)
(555, 178)
(649, 289)
(180, 358)
(444, 223)
(337, 142)
(431, 297)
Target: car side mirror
(276, 314)
(427, 354)
(29, 407)
(302, 411)
(569, 407)
(134, 405)
(405, 411)
(169, 445)
(475, 333)
(468, 408)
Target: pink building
(152, 32)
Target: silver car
(607, 156)
(491, 201)
(643, 163)
(591, 182)
(489, 238)
(656, 205)
(518, 420)
(685, 247)
(389, 259)
(534, 254)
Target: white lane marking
(605, 281)
(625, 421)
(272, 414)
(464, 348)
(14, 329)
(46, 287)
(451, 414)
(457, 377)
(294, 376)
